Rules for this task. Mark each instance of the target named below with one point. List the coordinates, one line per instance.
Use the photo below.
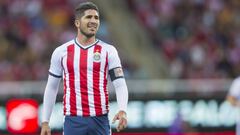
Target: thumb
(115, 118)
(49, 133)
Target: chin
(90, 35)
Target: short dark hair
(82, 7)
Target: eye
(89, 17)
(96, 17)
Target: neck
(83, 40)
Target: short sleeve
(114, 60)
(55, 65)
(235, 88)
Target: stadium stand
(192, 39)
(198, 38)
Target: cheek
(98, 24)
(82, 25)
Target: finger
(46, 132)
(49, 133)
(120, 122)
(115, 118)
(120, 127)
(43, 132)
(123, 121)
(126, 122)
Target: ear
(77, 23)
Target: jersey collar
(87, 46)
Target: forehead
(91, 12)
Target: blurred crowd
(198, 38)
(30, 31)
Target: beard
(88, 35)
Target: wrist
(45, 123)
(123, 113)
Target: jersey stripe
(96, 79)
(101, 83)
(83, 81)
(64, 89)
(90, 82)
(77, 80)
(105, 82)
(67, 97)
(70, 65)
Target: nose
(94, 20)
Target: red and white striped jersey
(85, 71)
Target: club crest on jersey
(96, 57)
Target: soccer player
(85, 63)
(234, 98)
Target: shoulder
(105, 45)
(109, 48)
(237, 80)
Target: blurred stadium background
(179, 57)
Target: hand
(45, 129)
(122, 117)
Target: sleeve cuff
(54, 75)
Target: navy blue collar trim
(75, 40)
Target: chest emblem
(96, 57)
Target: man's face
(89, 23)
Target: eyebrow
(92, 16)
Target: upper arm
(56, 64)
(115, 67)
(113, 58)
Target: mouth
(92, 29)
(92, 25)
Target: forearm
(49, 99)
(121, 93)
